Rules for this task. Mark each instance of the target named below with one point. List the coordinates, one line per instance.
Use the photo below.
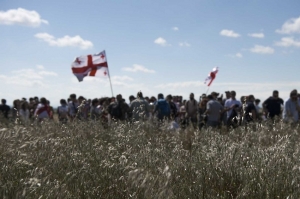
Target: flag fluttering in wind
(90, 65)
(211, 76)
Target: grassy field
(84, 160)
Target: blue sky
(152, 46)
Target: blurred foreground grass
(84, 160)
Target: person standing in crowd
(51, 110)
(118, 109)
(232, 107)
(272, 105)
(139, 108)
(15, 110)
(250, 113)
(191, 107)
(73, 107)
(95, 109)
(202, 111)
(258, 109)
(291, 108)
(24, 113)
(62, 111)
(173, 107)
(162, 108)
(213, 111)
(4, 109)
(42, 110)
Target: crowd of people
(212, 110)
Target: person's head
(169, 97)
(73, 97)
(294, 94)
(257, 101)
(215, 95)
(80, 99)
(147, 98)
(43, 101)
(95, 102)
(160, 96)
(63, 102)
(112, 99)
(251, 98)
(36, 99)
(192, 96)
(175, 98)
(3, 101)
(139, 94)
(210, 97)
(119, 98)
(24, 105)
(275, 94)
(232, 94)
(227, 94)
(131, 98)
(243, 99)
(48, 102)
(153, 99)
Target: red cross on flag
(90, 65)
(211, 76)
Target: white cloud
(184, 44)
(75, 41)
(161, 41)
(257, 35)
(175, 28)
(121, 78)
(21, 16)
(262, 49)
(138, 68)
(41, 67)
(239, 55)
(47, 73)
(229, 33)
(287, 42)
(27, 77)
(290, 26)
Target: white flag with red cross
(90, 65)
(211, 76)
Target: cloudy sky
(152, 46)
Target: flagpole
(207, 90)
(112, 93)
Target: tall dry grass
(85, 160)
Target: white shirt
(229, 103)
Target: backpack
(163, 107)
(115, 111)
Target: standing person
(62, 111)
(291, 108)
(232, 107)
(118, 109)
(272, 105)
(4, 109)
(42, 110)
(139, 108)
(173, 107)
(24, 112)
(51, 110)
(250, 113)
(162, 108)
(95, 109)
(213, 111)
(16, 108)
(202, 111)
(191, 107)
(73, 107)
(258, 109)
